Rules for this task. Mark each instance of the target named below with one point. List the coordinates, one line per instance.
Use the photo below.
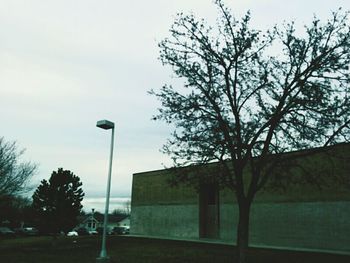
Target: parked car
(26, 231)
(93, 232)
(5, 231)
(18, 231)
(100, 230)
(121, 230)
(72, 234)
(82, 231)
(30, 231)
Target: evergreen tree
(57, 202)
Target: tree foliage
(250, 95)
(15, 210)
(14, 174)
(57, 202)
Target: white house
(94, 220)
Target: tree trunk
(243, 232)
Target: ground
(126, 249)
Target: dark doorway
(209, 211)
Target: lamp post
(106, 125)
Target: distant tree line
(55, 204)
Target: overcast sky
(64, 64)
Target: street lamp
(106, 125)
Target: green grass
(134, 249)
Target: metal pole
(103, 254)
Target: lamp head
(105, 124)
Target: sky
(66, 64)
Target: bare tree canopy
(250, 94)
(14, 174)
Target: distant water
(98, 203)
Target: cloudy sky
(66, 64)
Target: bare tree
(125, 210)
(14, 174)
(127, 207)
(241, 105)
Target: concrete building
(301, 217)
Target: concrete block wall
(303, 217)
(307, 225)
(175, 221)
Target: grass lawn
(135, 249)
